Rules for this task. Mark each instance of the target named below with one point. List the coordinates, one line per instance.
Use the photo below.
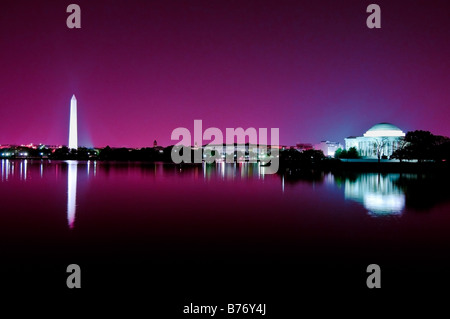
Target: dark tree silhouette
(422, 146)
(351, 153)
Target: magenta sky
(139, 69)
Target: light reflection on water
(378, 193)
(72, 191)
(382, 195)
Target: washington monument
(73, 131)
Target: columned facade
(380, 140)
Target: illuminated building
(380, 140)
(73, 131)
(328, 148)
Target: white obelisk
(73, 131)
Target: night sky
(140, 69)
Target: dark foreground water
(164, 236)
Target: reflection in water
(71, 192)
(378, 193)
(424, 191)
(8, 167)
(23, 169)
(5, 169)
(294, 176)
(230, 171)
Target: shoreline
(327, 165)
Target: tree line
(423, 146)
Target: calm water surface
(223, 214)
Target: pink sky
(140, 69)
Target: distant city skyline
(141, 69)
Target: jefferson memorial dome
(384, 129)
(382, 139)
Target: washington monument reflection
(71, 192)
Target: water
(221, 222)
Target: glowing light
(379, 194)
(204, 170)
(73, 131)
(383, 133)
(25, 164)
(222, 169)
(71, 192)
(7, 169)
(380, 204)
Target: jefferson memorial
(382, 137)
